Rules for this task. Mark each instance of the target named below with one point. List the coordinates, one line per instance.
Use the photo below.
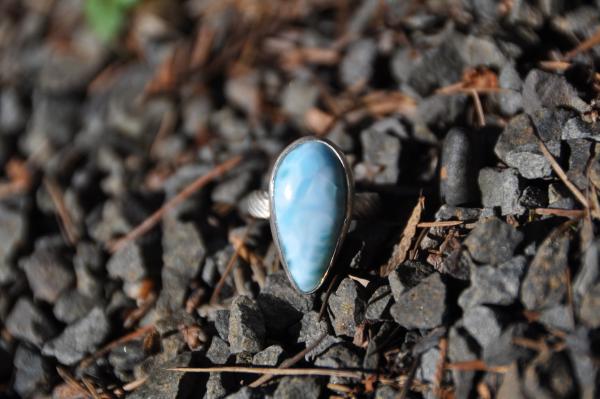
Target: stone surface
(13, 226)
(33, 372)
(311, 328)
(165, 384)
(47, 274)
(357, 64)
(494, 285)
(281, 304)
(378, 303)
(492, 241)
(482, 324)
(423, 306)
(72, 306)
(381, 154)
(458, 171)
(590, 307)
(298, 388)
(544, 284)
(127, 263)
(270, 356)
(218, 351)
(338, 356)
(501, 189)
(30, 324)
(309, 184)
(246, 326)
(80, 338)
(543, 89)
(347, 308)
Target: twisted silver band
(256, 204)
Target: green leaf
(106, 17)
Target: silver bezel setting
(347, 216)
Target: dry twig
(276, 371)
(66, 222)
(196, 185)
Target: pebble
(164, 384)
(127, 263)
(88, 263)
(347, 307)
(408, 275)
(544, 89)
(218, 351)
(270, 356)
(579, 155)
(79, 338)
(47, 274)
(33, 372)
(72, 305)
(501, 189)
(534, 197)
(559, 317)
(544, 284)
(246, 326)
(589, 310)
(448, 212)
(460, 349)
(428, 365)
(28, 323)
(183, 255)
(378, 303)
(311, 328)
(127, 356)
(576, 128)
(494, 285)
(381, 152)
(483, 324)
(357, 64)
(457, 175)
(423, 306)
(13, 226)
(282, 305)
(298, 388)
(519, 148)
(510, 100)
(338, 356)
(492, 241)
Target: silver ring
(310, 204)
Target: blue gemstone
(310, 191)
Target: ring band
(257, 205)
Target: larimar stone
(309, 194)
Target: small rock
(218, 351)
(381, 152)
(511, 384)
(215, 387)
(576, 128)
(502, 351)
(482, 324)
(12, 113)
(244, 393)
(88, 262)
(33, 373)
(282, 305)
(460, 349)
(165, 384)
(72, 306)
(183, 253)
(447, 212)
(311, 329)
(338, 356)
(222, 323)
(457, 174)
(559, 317)
(500, 188)
(230, 191)
(534, 197)
(491, 285)
(127, 263)
(406, 276)
(298, 97)
(492, 241)
(510, 100)
(438, 67)
(378, 303)
(246, 326)
(13, 226)
(47, 274)
(589, 273)
(428, 365)
(519, 148)
(347, 308)
(298, 388)
(270, 356)
(423, 306)
(550, 376)
(579, 156)
(589, 311)
(357, 64)
(543, 89)
(127, 356)
(80, 338)
(544, 284)
(30, 324)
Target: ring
(310, 203)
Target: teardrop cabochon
(310, 191)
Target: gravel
(422, 306)
(247, 328)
